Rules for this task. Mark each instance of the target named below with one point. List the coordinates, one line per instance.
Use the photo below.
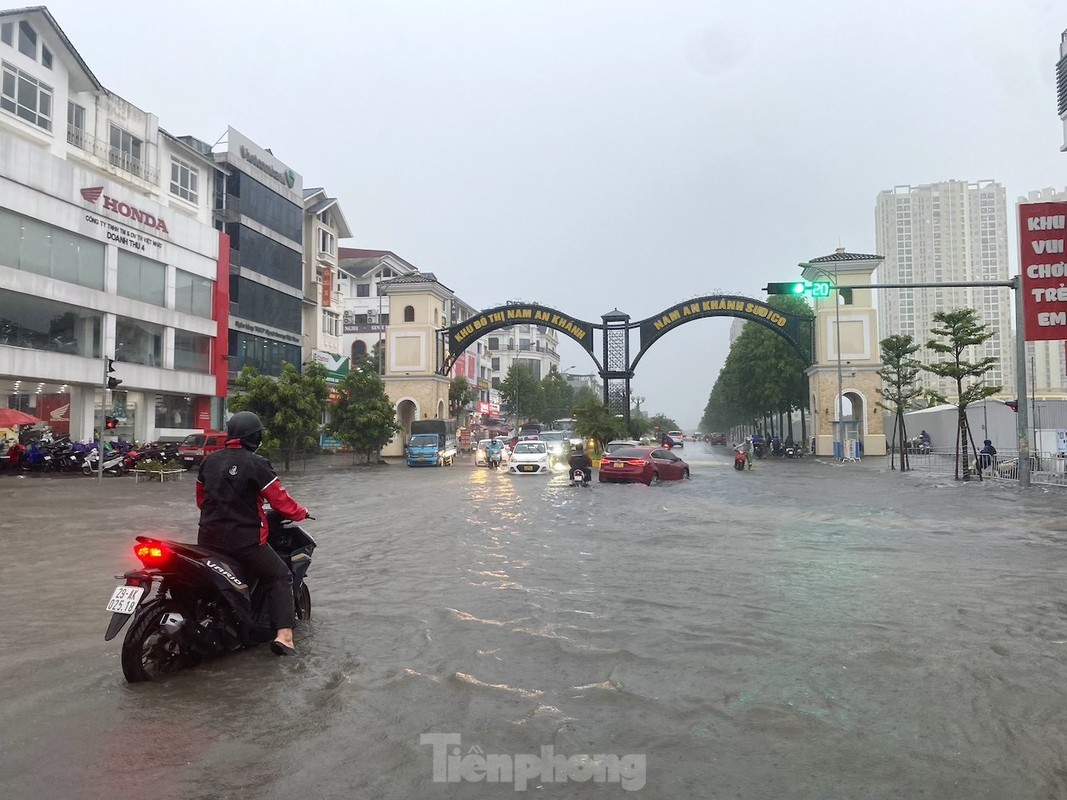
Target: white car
(529, 458)
(559, 446)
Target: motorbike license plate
(125, 599)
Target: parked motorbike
(190, 603)
(114, 463)
(740, 459)
(790, 451)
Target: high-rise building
(1061, 86)
(946, 232)
(1046, 361)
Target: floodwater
(804, 630)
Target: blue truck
(432, 443)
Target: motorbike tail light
(150, 554)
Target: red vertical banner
(327, 287)
(1043, 266)
(220, 365)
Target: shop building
(107, 249)
(324, 306)
(366, 312)
(259, 205)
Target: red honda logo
(93, 193)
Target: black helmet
(245, 425)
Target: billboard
(1043, 266)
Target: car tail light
(151, 554)
(636, 462)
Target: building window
(192, 353)
(125, 150)
(46, 57)
(27, 40)
(141, 279)
(331, 323)
(409, 313)
(39, 324)
(7, 33)
(327, 243)
(192, 294)
(75, 124)
(33, 246)
(138, 342)
(174, 411)
(496, 364)
(26, 97)
(362, 290)
(494, 343)
(184, 180)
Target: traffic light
(112, 383)
(111, 423)
(798, 288)
(791, 287)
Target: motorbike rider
(230, 489)
(579, 460)
(494, 452)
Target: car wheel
(686, 474)
(654, 478)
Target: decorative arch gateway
(616, 368)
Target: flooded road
(804, 630)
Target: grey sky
(588, 155)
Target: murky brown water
(800, 631)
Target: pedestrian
(230, 489)
(924, 437)
(987, 456)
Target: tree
(290, 406)
(363, 417)
(460, 394)
(584, 395)
(596, 422)
(899, 389)
(661, 424)
(959, 330)
(558, 397)
(522, 392)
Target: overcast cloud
(593, 155)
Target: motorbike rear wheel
(147, 652)
(303, 603)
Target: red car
(645, 465)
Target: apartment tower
(952, 231)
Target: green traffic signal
(798, 288)
(816, 289)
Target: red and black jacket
(230, 489)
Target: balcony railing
(118, 158)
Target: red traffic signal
(1013, 405)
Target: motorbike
(740, 459)
(791, 451)
(493, 459)
(190, 603)
(579, 477)
(757, 449)
(114, 463)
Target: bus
(567, 424)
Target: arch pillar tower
(847, 356)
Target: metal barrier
(1046, 468)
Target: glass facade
(266, 355)
(174, 411)
(265, 206)
(43, 249)
(261, 254)
(192, 352)
(142, 279)
(138, 342)
(259, 303)
(192, 294)
(40, 324)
